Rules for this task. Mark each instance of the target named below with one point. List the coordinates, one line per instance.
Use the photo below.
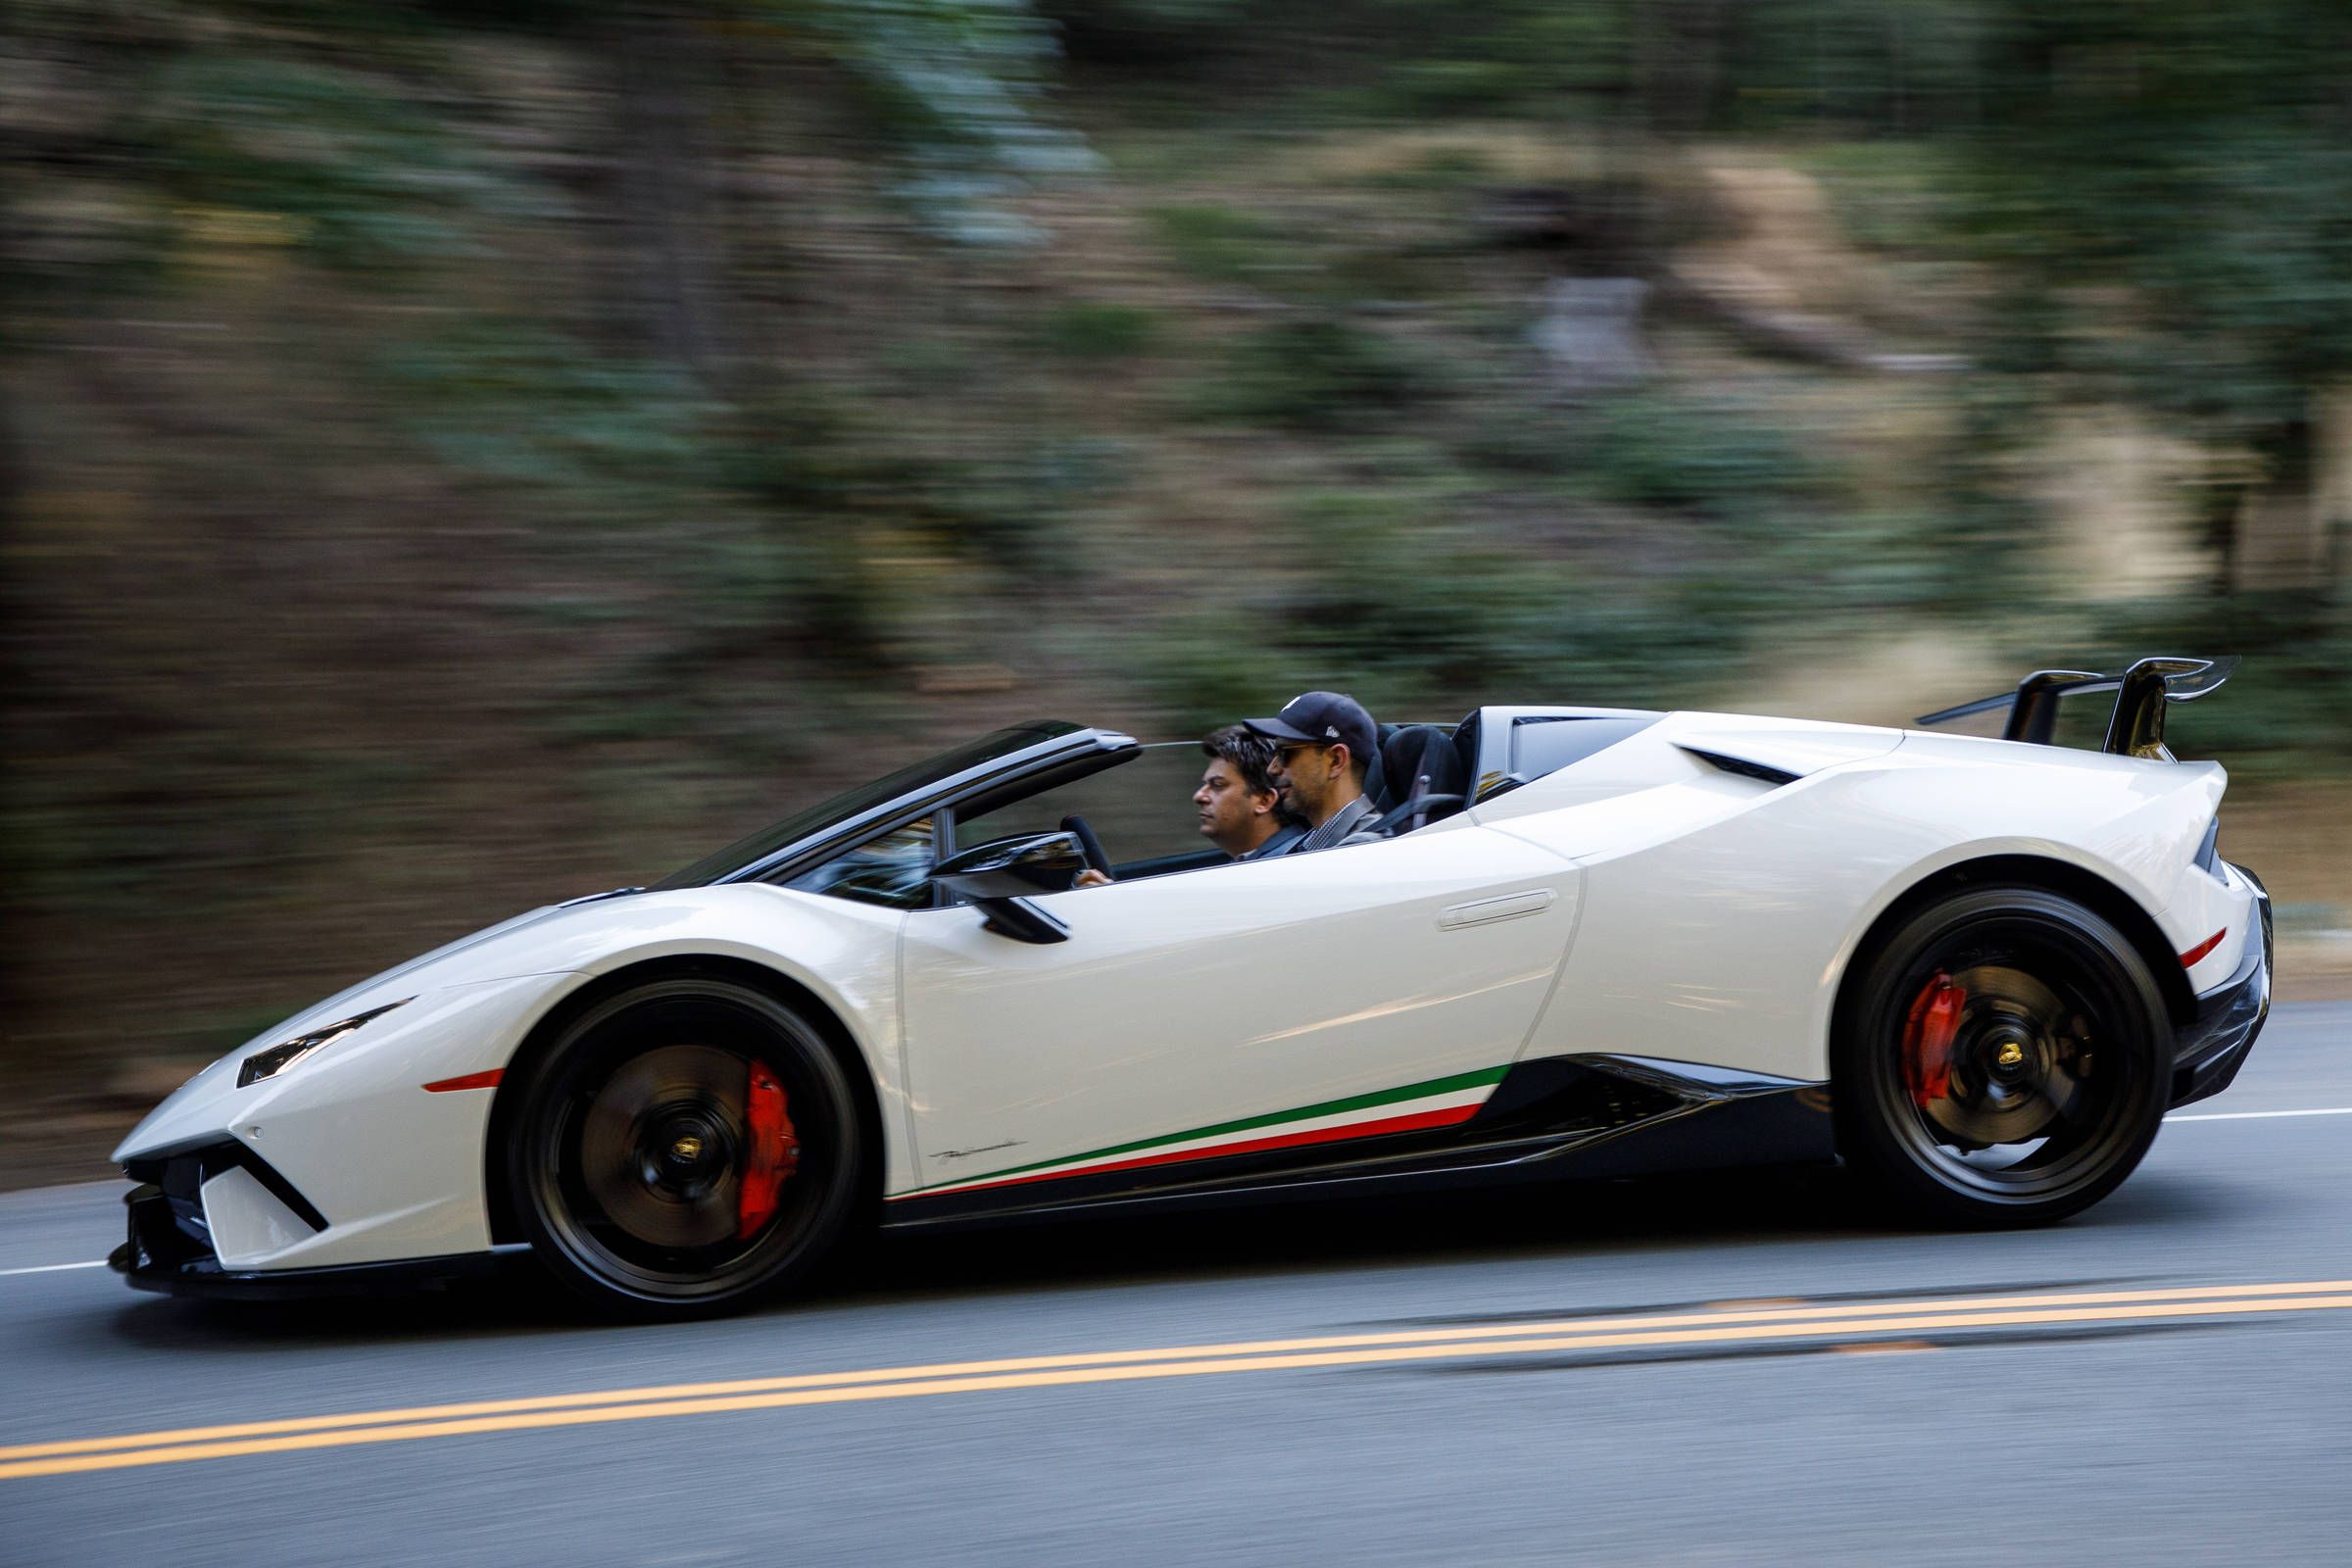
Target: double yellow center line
(1728, 1323)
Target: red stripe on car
(473, 1080)
(2188, 959)
(1446, 1117)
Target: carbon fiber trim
(1556, 1117)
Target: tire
(635, 1142)
(2053, 1044)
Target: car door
(1308, 999)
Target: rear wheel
(1999, 1061)
(684, 1146)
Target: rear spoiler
(2142, 692)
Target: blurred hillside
(459, 456)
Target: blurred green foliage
(1099, 329)
(956, 83)
(518, 441)
(360, 169)
(1708, 459)
(1316, 371)
(1218, 244)
(606, 437)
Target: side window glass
(1143, 811)
(893, 870)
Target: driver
(1240, 804)
(1324, 746)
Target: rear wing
(2142, 693)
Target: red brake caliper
(775, 1151)
(1927, 1039)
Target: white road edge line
(2262, 1115)
(52, 1268)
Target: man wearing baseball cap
(1324, 745)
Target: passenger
(1241, 808)
(1325, 743)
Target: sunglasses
(1284, 753)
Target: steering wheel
(1088, 842)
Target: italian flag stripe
(1435, 1102)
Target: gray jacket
(1284, 840)
(1350, 825)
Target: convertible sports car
(1594, 942)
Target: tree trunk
(1682, 65)
(662, 77)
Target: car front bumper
(170, 1247)
(373, 1152)
(2209, 1050)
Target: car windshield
(852, 802)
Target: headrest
(1413, 750)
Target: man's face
(1230, 815)
(1302, 771)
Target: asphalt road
(1730, 1371)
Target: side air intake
(1742, 767)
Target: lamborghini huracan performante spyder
(1591, 941)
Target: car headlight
(278, 1057)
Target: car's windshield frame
(791, 844)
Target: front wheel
(1999, 1060)
(684, 1146)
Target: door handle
(1483, 911)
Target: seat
(1376, 778)
(1422, 777)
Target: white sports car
(1594, 942)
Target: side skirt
(1585, 1117)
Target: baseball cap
(1324, 716)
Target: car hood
(842, 950)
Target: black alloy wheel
(683, 1148)
(2001, 1060)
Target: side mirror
(998, 878)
